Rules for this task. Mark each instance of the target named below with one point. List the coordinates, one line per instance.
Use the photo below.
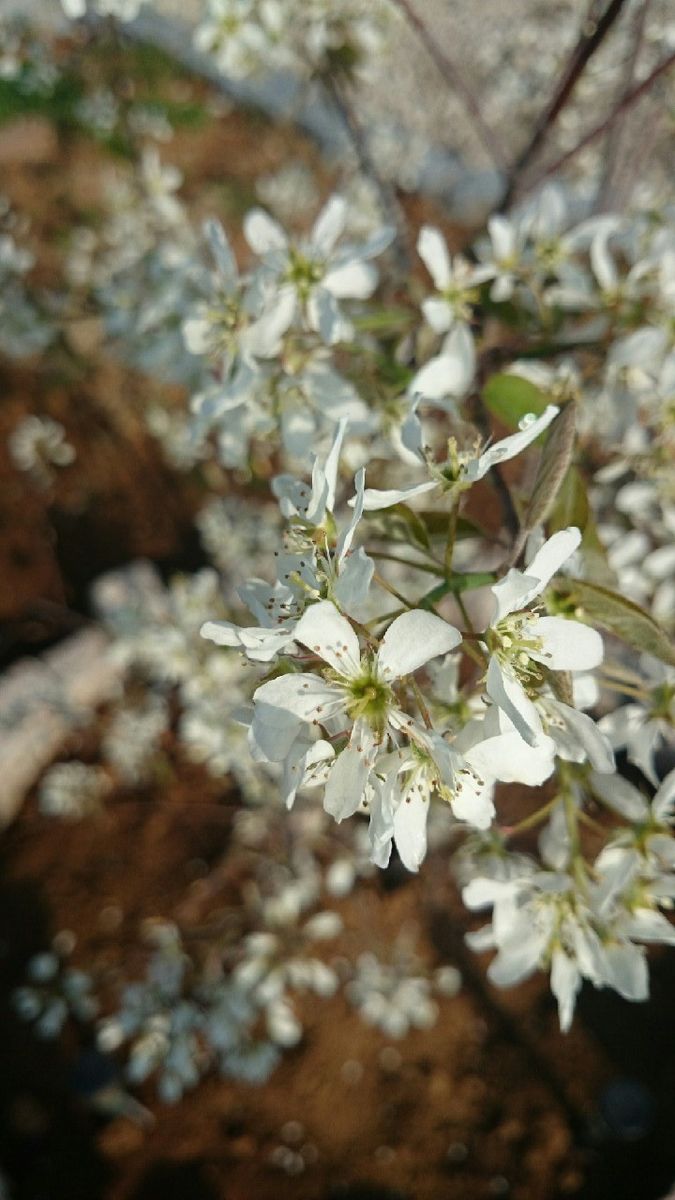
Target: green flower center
(369, 697)
(512, 641)
(304, 273)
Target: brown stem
(455, 80)
(635, 94)
(387, 196)
(590, 39)
(613, 144)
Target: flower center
(513, 641)
(304, 273)
(369, 697)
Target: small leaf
(571, 508)
(571, 505)
(553, 467)
(437, 525)
(620, 616)
(384, 320)
(510, 398)
(413, 524)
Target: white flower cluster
(24, 327)
(184, 1019)
(72, 790)
(268, 335)
(122, 10)
(37, 444)
(246, 37)
(53, 994)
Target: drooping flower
(521, 642)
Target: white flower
(355, 691)
(457, 281)
(37, 444)
(643, 728)
(307, 280)
(449, 375)
(520, 642)
(464, 467)
(542, 920)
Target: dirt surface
(469, 1111)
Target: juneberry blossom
(543, 920)
(523, 645)
(462, 467)
(643, 728)
(316, 562)
(457, 282)
(305, 280)
(356, 695)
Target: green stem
(452, 534)
(535, 818)
(392, 590)
(407, 562)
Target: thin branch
(635, 94)
(455, 81)
(590, 39)
(387, 196)
(613, 146)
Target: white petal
(324, 316)
(327, 633)
(352, 281)
(482, 892)
(664, 800)
(262, 338)
(503, 238)
(552, 555)
(438, 314)
(302, 695)
(373, 499)
(647, 925)
(411, 640)
(410, 830)
(621, 796)
(517, 959)
(567, 645)
(263, 233)
(272, 733)
(346, 538)
(565, 983)
(507, 692)
(508, 447)
(354, 580)
(596, 746)
(348, 778)
(626, 970)
(511, 593)
(329, 225)
(472, 801)
(298, 764)
(332, 463)
(506, 758)
(222, 251)
(432, 249)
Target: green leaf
(553, 467)
(510, 398)
(602, 606)
(437, 522)
(572, 508)
(384, 320)
(403, 525)
(571, 505)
